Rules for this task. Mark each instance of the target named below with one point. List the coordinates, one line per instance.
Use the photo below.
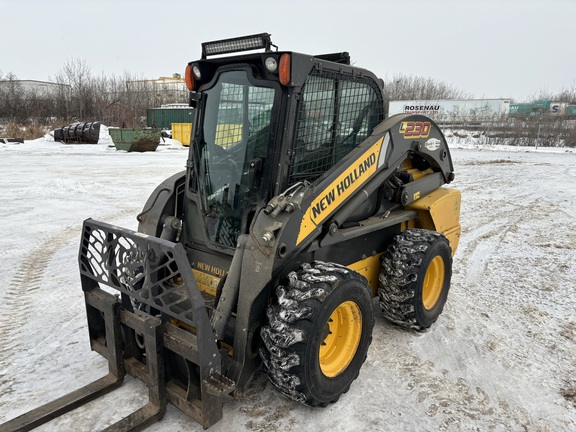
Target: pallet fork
(152, 276)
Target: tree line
(116, 100)
(122, 100)
(409, 87)
(79, 95)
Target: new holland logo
(319, 206)
(341, 188)
(432, 144)
(415, 129)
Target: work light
(244, 43)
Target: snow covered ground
(501, 357)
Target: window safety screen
(334, 116)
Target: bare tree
(76, 73)
(12, 106)
(407, 87)
(566, 95)
(115, 100)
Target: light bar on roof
(244, 43)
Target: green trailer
(164, 117)
(135, 140)
(570, 111)
(520, 109)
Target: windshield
(232, 152)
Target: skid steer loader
(300, 203)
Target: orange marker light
(189, 77)
(285, 69)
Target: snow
(501, 357)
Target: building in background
(39, 88)
(44, 87)
(163, 90)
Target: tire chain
(280, 333)
(400, 266)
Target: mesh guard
(151, 271)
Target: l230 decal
(415, 129)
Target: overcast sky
(488, 48)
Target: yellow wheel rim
(433, 282)
(342, 337)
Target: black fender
(164, 201)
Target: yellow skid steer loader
(300, 203)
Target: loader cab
(263, 123)
(238, 114)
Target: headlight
(196, 71)
(271, 64)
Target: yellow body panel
(369, 268)
(440, 211)
(206, 282)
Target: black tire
(415, 278)
(308, 358)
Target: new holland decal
(342, 187)
(207, 276)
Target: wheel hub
(341, 339)
(433, 282)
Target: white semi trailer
(465, 110)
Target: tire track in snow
(19, 298)
(481, 244)
(21, 293)
(475, 252)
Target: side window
(360, 112)
(335, 115)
